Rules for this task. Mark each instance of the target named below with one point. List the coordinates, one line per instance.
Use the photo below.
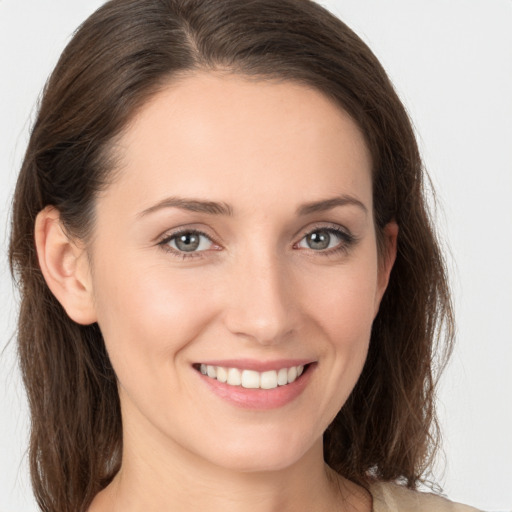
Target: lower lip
(262, 399)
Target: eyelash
(164, 243)
(347, 241)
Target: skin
(255, 290)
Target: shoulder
(390, 497)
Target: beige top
(388, 497)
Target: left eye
(189, 241)
(322, 239)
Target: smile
(251, 379)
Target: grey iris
(318, 240)
(187, 242)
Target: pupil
(188, 242)
(319, 240)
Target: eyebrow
(193, 205)
(328, 204)
(221, 208)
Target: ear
(386, 260)
(65, 267)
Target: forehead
(227, 136)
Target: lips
(255, 385)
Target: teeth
(251, 379)
(268, 380)
(222, 374)
(234, 377)
(282, 377)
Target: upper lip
(257, 365)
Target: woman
(231, 290)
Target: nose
(260, 302)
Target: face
(235, 270)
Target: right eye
(187, 243)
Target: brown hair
(116, 61)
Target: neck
(191, 485)
(153, 479)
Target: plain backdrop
(451, 63)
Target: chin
(267, 455)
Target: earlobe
(65, 267)
(387, 260)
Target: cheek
(343, 309)
(146, 317)
(343, 304)
(338, 307)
